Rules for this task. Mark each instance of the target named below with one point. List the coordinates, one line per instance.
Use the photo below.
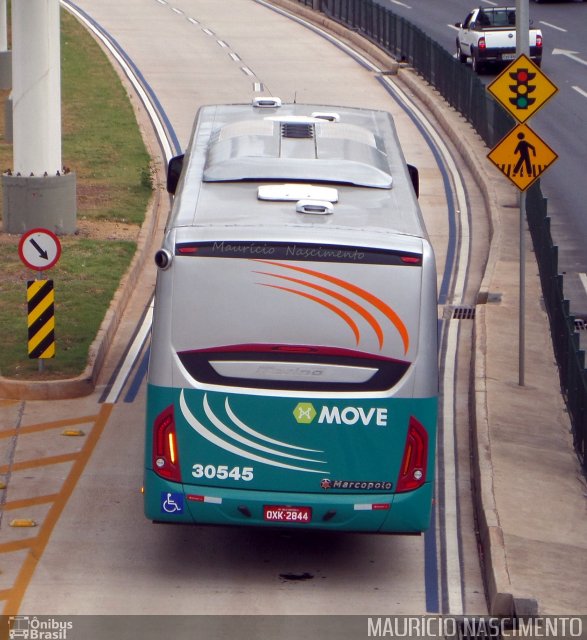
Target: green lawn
(102, 144)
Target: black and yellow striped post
(41, 318)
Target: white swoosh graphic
(214, 439)
(249, 443)
(261, 436)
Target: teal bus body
(329, 455)
(293, 370)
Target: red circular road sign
(39, 249)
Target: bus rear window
(294, 367)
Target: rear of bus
(293, 372)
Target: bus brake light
(413, 470)
(165, 454)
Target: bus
(293, 370)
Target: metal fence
(464, 91)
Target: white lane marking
(451, 516)
(552, 26)
(581, 91)
(583, 279)
(133, 353)
(570, 54)
(451, 523)
(161, 134)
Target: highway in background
(561, 123)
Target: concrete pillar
(27, 203)
(8, 119)
(36, 123)
(5, 54)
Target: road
(561, 123)
(74, 467)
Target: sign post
(522, 156)
(40, 249)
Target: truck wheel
(475, 64)
(460, 55)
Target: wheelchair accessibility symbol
(171, 502)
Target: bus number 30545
(222, 472)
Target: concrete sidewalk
(530, 492)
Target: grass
(102, 144)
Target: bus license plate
(274, 513)
(508, 56)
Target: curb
(85, 383)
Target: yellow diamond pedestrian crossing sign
(522, 88)
(522, 156)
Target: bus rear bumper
(170, 502)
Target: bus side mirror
(415, 176)
(173, 172)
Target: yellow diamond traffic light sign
(522, 88)
(522, 156)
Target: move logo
(305, 413)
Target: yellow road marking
(45, 426)
(16, 545)
(38, 462)
(29, 502)
(13, 597)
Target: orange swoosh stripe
(352, 324)
(387, 311)
(351, 303)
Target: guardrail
(464, 91)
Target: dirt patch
(92, 229)
(107, 230)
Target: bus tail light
(538, 40)
(165, 453)
(413, 470)
(481, 43)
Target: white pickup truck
(488, 36)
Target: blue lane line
(174, 142)
(173, 139)
(452, 240)
(431, 566)
(430, 546)
(140, 375)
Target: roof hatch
(303, 148)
